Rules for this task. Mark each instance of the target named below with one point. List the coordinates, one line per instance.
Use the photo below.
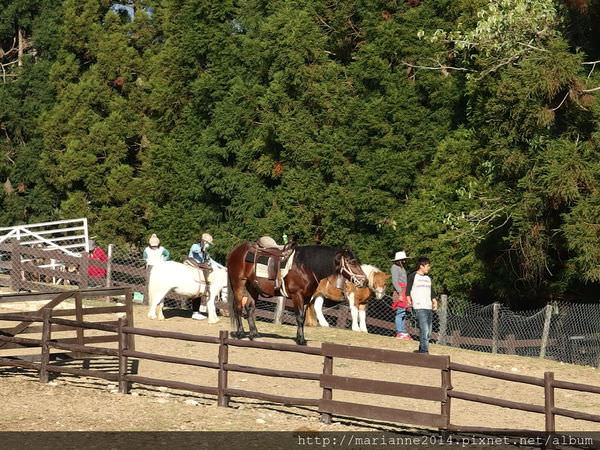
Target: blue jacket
(198, 254)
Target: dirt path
(73, 403)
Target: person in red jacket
(400, 303)
(96, 272)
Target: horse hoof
(301, 341)
(151, 317)
(213, 321)
(254, 336)
(236, 335)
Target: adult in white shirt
(155, 253)
(421, 294)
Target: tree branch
(561, 103)
(439, 67)
(592, 89)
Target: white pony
(187, 281)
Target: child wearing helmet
(155, 253)
(199, 250)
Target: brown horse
(311, 264)
(357, 297)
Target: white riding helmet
(154, 241)
(207, 238)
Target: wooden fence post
(109, 266)
(15, 269)
(222, 398)
(549, 401)
(279, 308)
(495, 317)
(327, 392)
(443, 315)
(46, 335)
(83, 271)
(124, 385)
(129, 317)
(510, 344)
(456, 338)
(546, 331)
(446, 386)
(79, 316)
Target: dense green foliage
(448, 128)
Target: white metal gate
(68, 236)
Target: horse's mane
(370, 272)
(319, 259)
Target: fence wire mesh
(568, 332)
(572, 329)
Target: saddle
(266, 251)
(204, 267)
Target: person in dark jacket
(421, 295)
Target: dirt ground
(86, 404)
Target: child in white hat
(155, 253)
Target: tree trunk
(21, 47)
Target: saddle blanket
(262, 269)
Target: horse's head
(378, 284)
(348, 265)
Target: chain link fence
(567, 332)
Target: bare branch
(592, 89)
(591, 71)
(561, 103)
(438, 67)
(12, 49)
(528, 45)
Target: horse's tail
(231, 303)
(310, 319)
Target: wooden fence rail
(135, 278)
(328, 381)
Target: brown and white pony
(357, 297)
(311, 264)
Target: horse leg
(300, 309)
(319, 311)
(362, 316)
(353, 312)
(251, 313)
(212, 310)
(156, 299)
(236, 309)
(160, 311)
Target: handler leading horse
(311, 264)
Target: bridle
(357, 279)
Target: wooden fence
(328, 381)
(27, 276)
(10, 337)
(20, 275)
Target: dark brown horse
(311, 264)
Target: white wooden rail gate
(67, 236)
